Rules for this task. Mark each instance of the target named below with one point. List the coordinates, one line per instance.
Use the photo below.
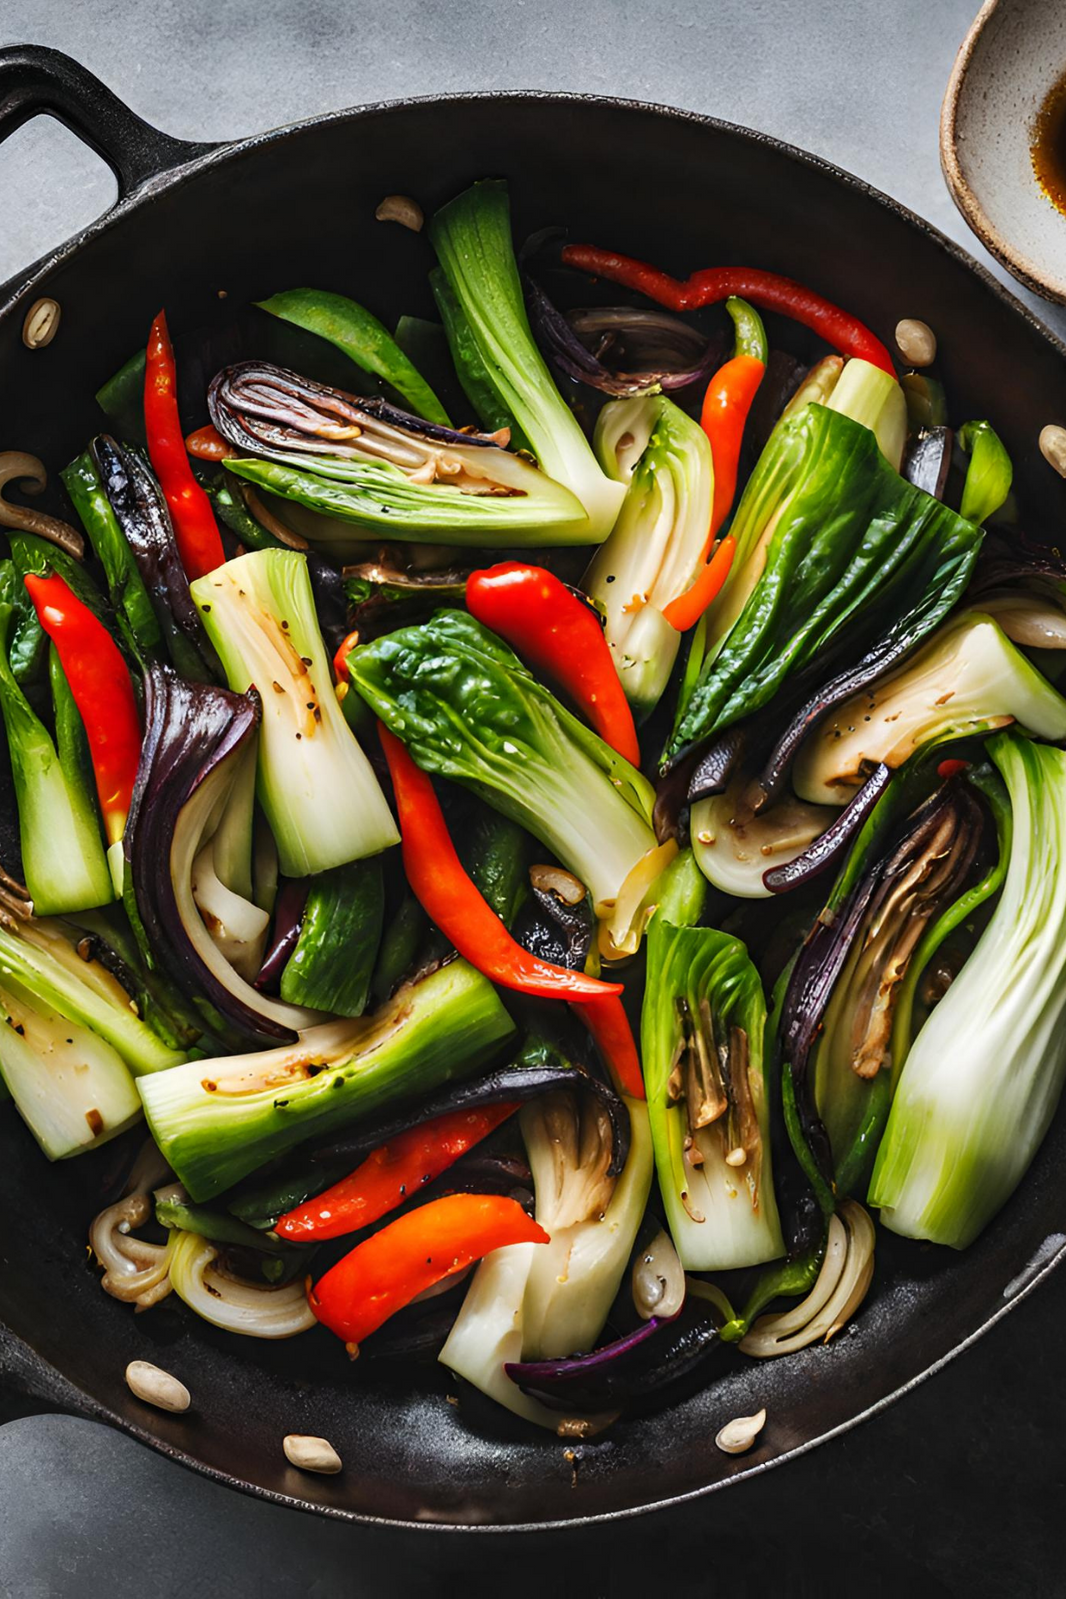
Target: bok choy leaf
(831, 543)
(468, 709)
(472, 238)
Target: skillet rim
(18, 1358)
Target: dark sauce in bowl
(1048, 148)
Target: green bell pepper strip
(133, 608)
(362, 338)
(122, 399)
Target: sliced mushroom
(26, 470)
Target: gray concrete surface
(955, 1490)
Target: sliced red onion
(500, 1087)
(141, 512)
(285, 934)
(677, 354)
(578, 1368)
(262, 408)
(639, 1366)
(827, 850)
(717, 764)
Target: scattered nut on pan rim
(41, 323)
(740, 1433)
(402, 209)
(157, 1387)
(1053, 447)
(311, 1454)
(916, 341)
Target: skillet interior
(297, 207)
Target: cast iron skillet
(297, 206)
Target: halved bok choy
(317, 788)
(968, 679)
(71, 1041)
(903, 875)
(658, 542)
(530, 1302)
(705, 1070)
(363, 464)
(62, 844)
(980, 1085)
(217, 1120)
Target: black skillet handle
(36, 80)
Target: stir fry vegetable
(333, 861)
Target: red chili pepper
(340, 659)
(393, 1266)
(952, 768)
(559, 635)
(686, 610)
(452, 900)
(609, 1025)
(391, 1174)
(195, 529)
(767, 290)
(207, 444)
(100, 683)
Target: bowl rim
(1040, 280)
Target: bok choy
(658, 542)
(472, 238)
(703, 1042)
(217, 1120)
(63, 856)
(363, 463)
(981, 1083)
(468, 709)
(530, 1304)
(830, 542)
(968, 679)
(318, 790)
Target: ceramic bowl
(1012, 56)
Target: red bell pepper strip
(952, 768)
(725, 412)
(453, 901)
(389, 1269)
(103, 692)
(390, 1175)
(609, 1025)
(768, 290)
(341, 673)
(207, 444)
(559, 635)
(686, 610)
(195, 529)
